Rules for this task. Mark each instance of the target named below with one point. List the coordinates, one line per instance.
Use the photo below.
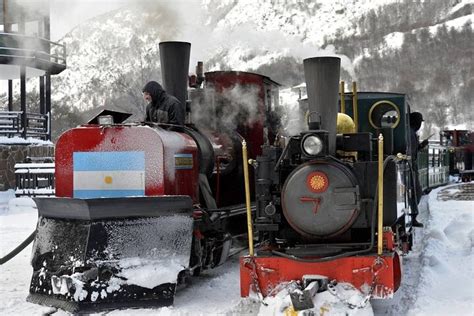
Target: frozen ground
(438, 275)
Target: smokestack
(322, 84)
(174, 57)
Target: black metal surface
(48, 100)
(131, 297)
(119, 117)
(360, 142)
(333, 210)
(83, 247)
(42, 108)
(367, 173)
(10, 95)
(322, 84)
(105, 208)
(174, 58)
(206, 151)
(24, 120)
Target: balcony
(39, 55)
(37, 125)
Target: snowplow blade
(100, 254)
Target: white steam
(227, 109)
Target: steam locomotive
(322, 208)
(142, 206)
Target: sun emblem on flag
(108, 179)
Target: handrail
(34, 37)
(11, 124)
(33, 54)
(54, 51)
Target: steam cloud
(225, 110)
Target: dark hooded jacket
(415, 123)
(163, 108)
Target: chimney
(174, 57)
(322, 76)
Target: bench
(35, 178)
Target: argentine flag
(103, 174)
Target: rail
(29, 47)
(11, 124)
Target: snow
(438, 275)
(460, 5)
(455, 23)
(18, 140)
(394, 40)
(447, 273)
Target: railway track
(460, 192)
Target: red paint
(253, 134)
(388, 240)
(160, 146)
(316, 202)
(362, 271)
(384, 273)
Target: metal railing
(11, 124)
(35, 178)
(32, 48)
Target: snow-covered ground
(438, 274)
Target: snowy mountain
(421, 48)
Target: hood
(155, 90)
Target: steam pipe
(174, 58)
(322, 84)
(355, 106)
(343, 98)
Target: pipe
(355, 107)
(322, 84)
(247, 197)
(342, 97)
(174, 57)
(380, 196)
(18, 249)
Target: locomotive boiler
(139, 207)
(321, 206)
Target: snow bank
(5, 197)
(11, 205)
(447, 274)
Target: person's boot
(415, 223)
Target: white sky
(66, 14)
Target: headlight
(312, 145)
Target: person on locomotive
(416, 119)
(162, 107)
